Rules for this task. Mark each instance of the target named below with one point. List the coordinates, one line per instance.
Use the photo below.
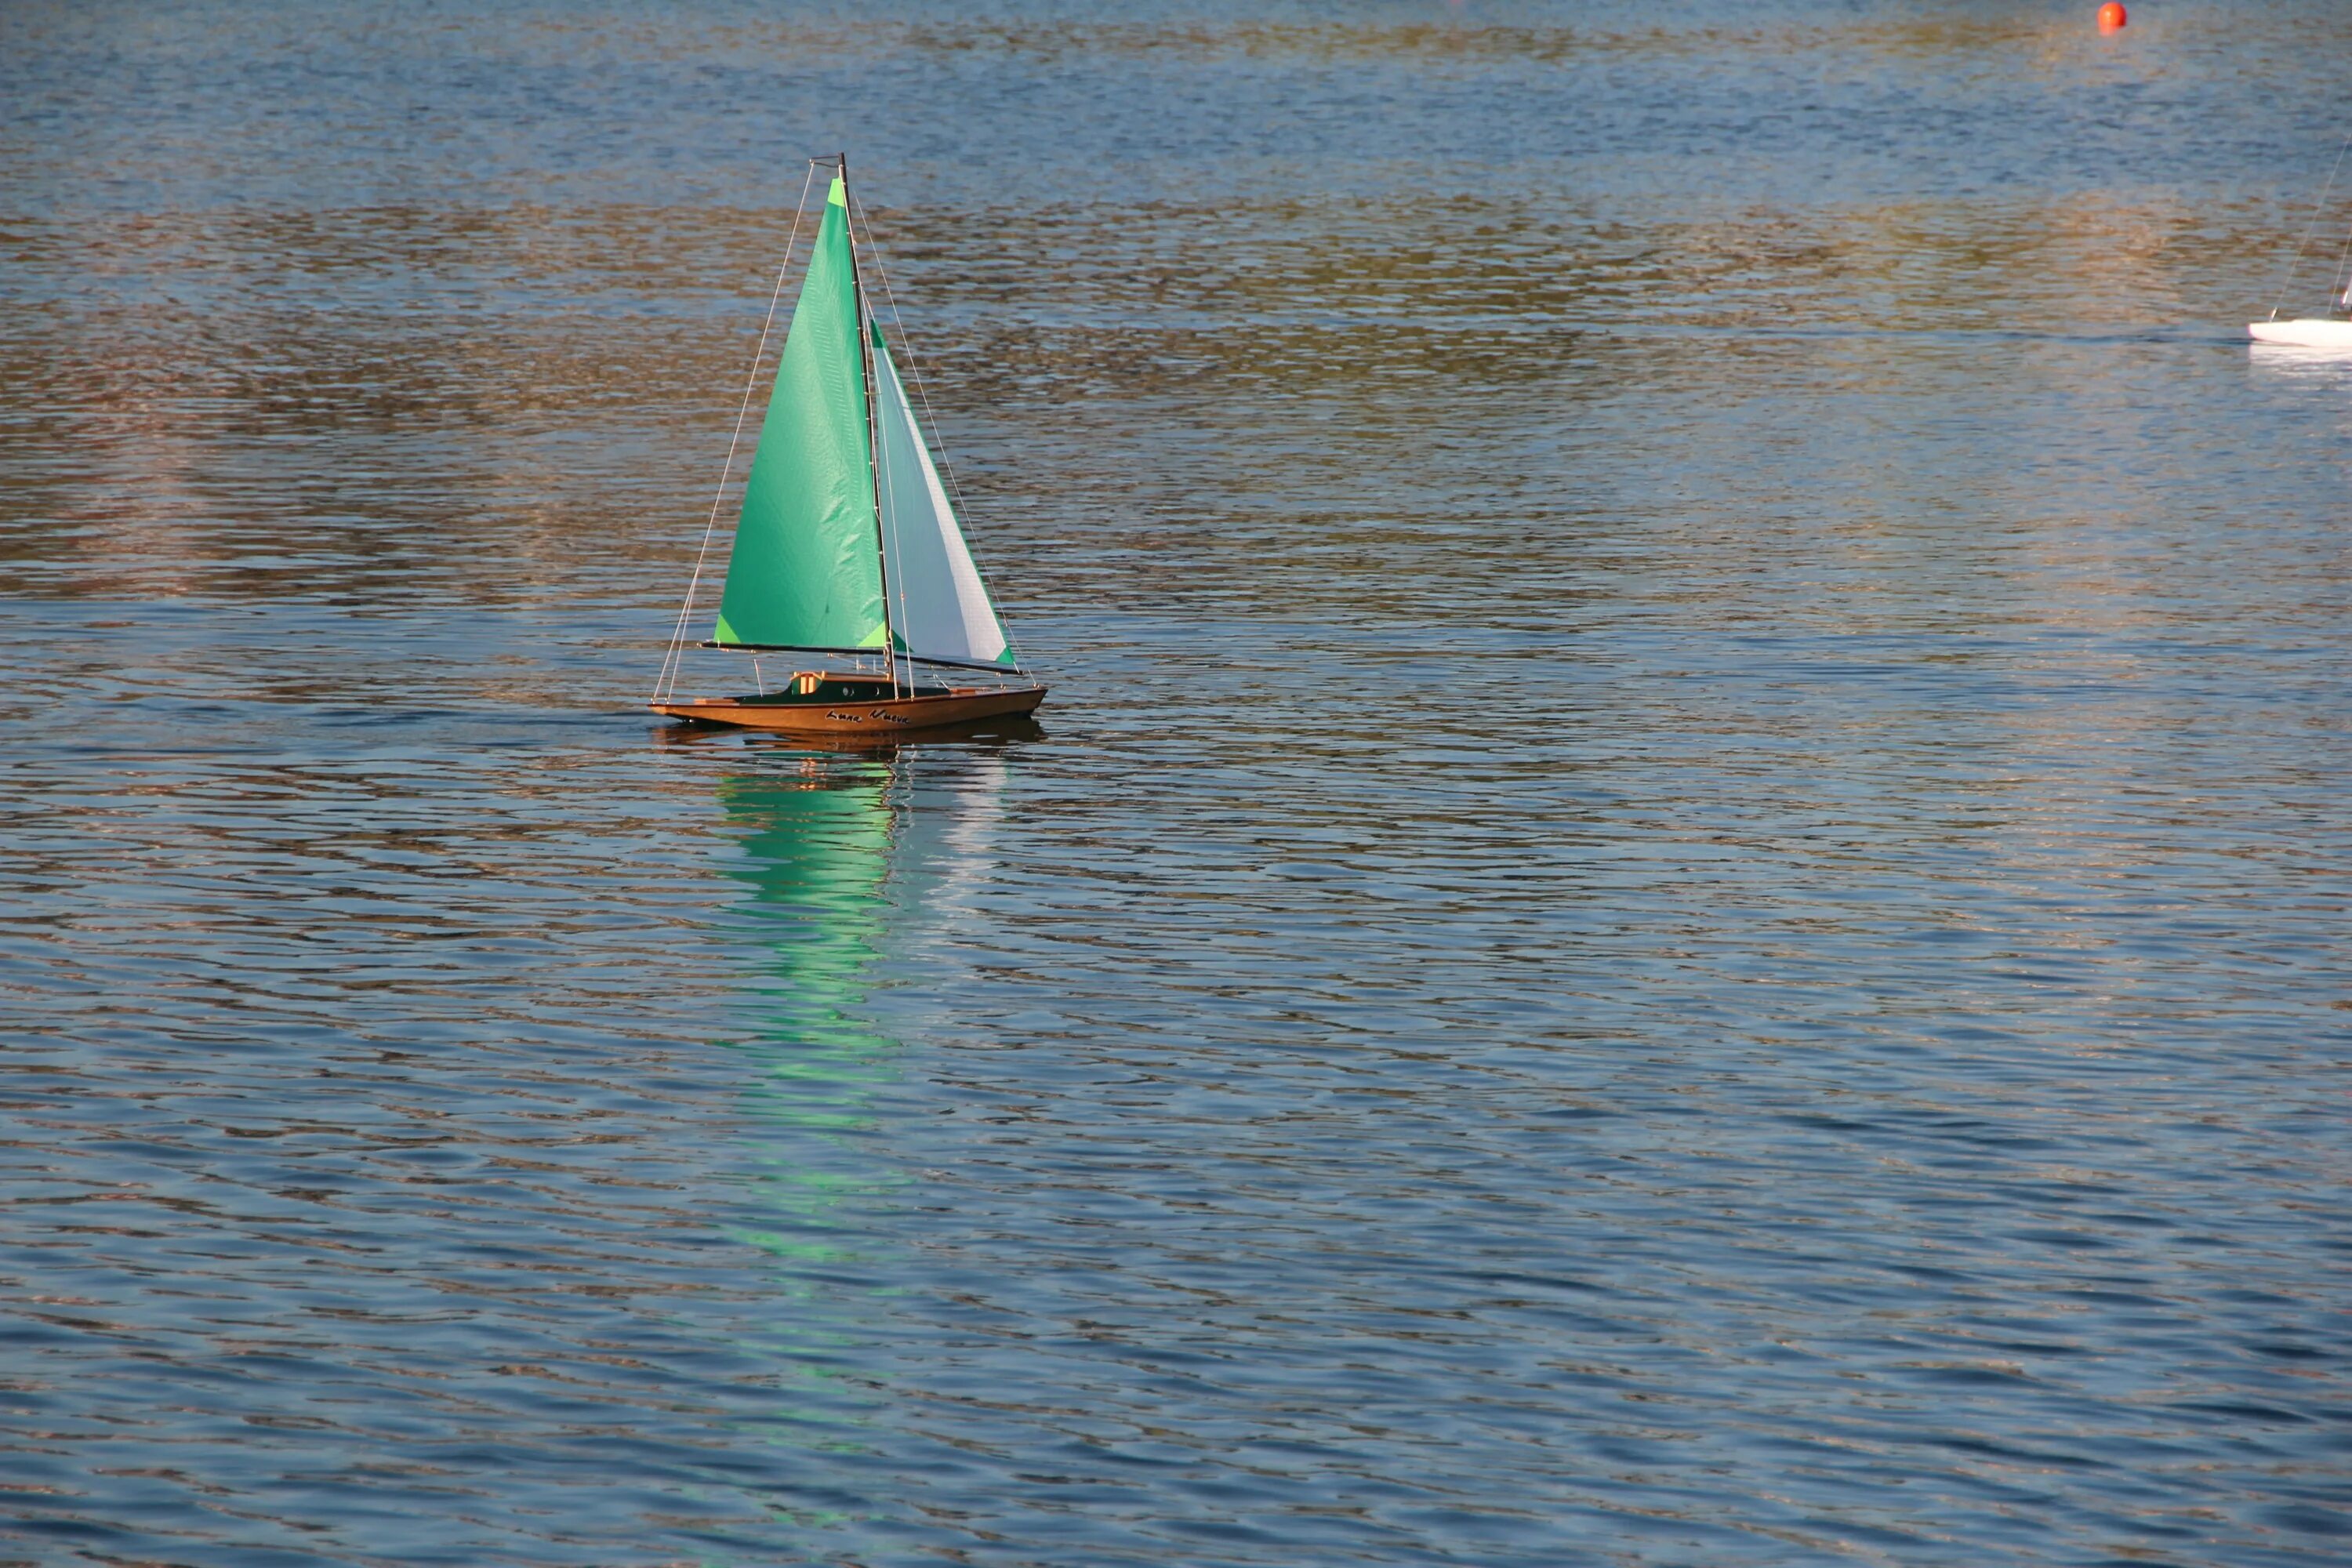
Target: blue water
(1682, 899)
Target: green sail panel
(807, 566)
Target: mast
(873, 447)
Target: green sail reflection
(859, 871)
(816, 855)
(816, 848)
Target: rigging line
(914, 367)
(2288, 277)
(665, 683)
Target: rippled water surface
(1682, 901)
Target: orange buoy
(2111, 17)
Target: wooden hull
(881, 718)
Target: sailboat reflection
(858, 867)
(866, 877)
(816, 853)
(2332, 365)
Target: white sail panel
(939, 607)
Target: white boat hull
(2309, 334)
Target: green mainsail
(807, 571)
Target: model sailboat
(2305, 331)
(847, 552)
(2333, 331)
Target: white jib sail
(939, 607)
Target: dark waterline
(1683, 901)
